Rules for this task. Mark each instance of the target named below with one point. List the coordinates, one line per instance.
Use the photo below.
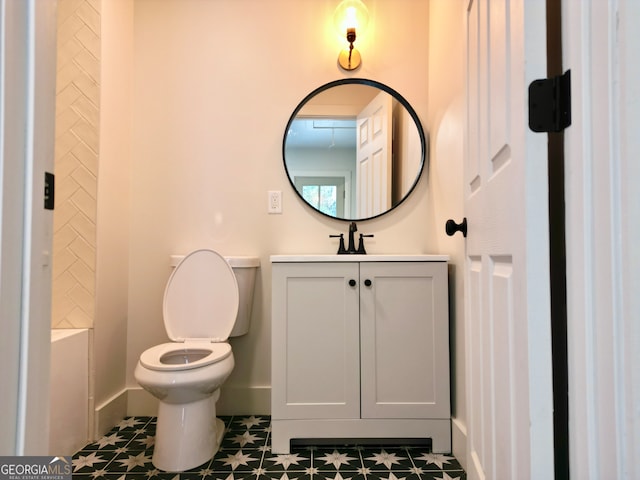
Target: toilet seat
(199, 309)
(184, 355)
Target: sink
(359, 258)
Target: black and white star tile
(245, 454)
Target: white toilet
(201, 310)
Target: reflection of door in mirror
(326, 194)
(373, 155)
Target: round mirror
(354, 149)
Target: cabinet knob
(367, 283)
(352, 283)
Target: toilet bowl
(200, 311)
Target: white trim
(10, 241)
(600, 46)
(110, 412)
(242, 400)
(25, 273)
(459, 441)
(234, 400)
(25, 337)
(346, 174)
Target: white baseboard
(234, 400)
(239, 400)
(141, 403)
(109, 413)
(459, 441)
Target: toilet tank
(245, 269)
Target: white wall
(214, 83)
(112, 223)
(446, 118)
(314, 162)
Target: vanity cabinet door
(404, 340)
(315, 328)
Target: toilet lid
(201, 298)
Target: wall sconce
(350, 16)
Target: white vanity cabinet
(360, 349)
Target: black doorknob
(452, 227)
(367, 283)
(352, 283)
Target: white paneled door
(509, 383)
(373, 155)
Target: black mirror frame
(395, 95)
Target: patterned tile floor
(125, 453)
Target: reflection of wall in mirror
(407, 153)
(315, 162)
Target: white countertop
(359, 258)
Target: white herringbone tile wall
(76, 163)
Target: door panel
(497, 81)
(507, 277)
(503, 346)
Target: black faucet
(353, 228)
(361, 249)
(352, 244)
(341, 248)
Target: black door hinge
(49, 190)
(550, 103)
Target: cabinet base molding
(283, 431)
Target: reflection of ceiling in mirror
(340, 101)
(349, 94)
(319, 133)
(328, 119)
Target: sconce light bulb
(350, 16)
